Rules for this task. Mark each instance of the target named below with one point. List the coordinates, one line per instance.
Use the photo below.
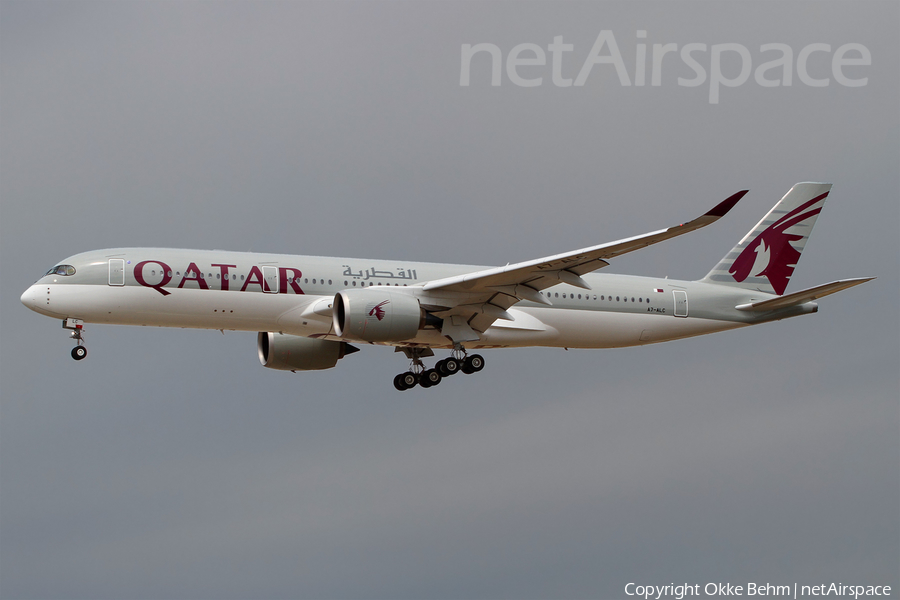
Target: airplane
(308, 310)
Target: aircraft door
(270, 274)
(117, 271)
(681, 303)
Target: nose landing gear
(76, 326)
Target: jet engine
(294, 353)
(377, 315)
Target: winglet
(720, 209)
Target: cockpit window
(61, 270)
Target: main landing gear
(426, 378)
(76, 326)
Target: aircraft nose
(31, 298)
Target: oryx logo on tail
(771, 254)
(764, 260)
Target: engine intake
(295, 353)
(377, 315)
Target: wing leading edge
(481, 297)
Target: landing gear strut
(77, 333)
(427, 378)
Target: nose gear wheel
(76, 327)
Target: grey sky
(170, 464)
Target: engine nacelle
(377, 315)
(294, 353)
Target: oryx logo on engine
(376, 310)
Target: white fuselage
(293, 295)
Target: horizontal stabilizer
(804, 296)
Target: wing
(475, 300)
